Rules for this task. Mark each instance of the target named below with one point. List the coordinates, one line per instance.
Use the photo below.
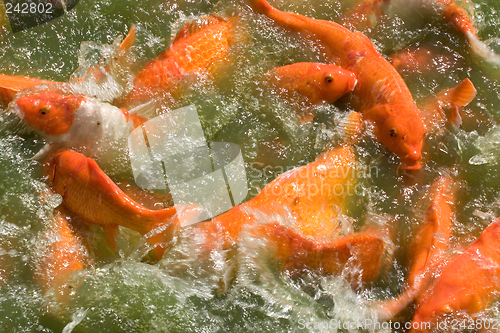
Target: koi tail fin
(463, 93)
(451, 100)
(482, 50)
(460, 96)
(168, 222)
(10, 85)
(129, 40)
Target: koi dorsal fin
(190, 28)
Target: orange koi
(414, 59)
(358, 256)
(63, 254)
(457, 17)
(317, 82)
(453, 99)
(311, 193)
(197, 46)
(314, 193)
(381, 94)
(468, 283)
(428, 247)
(91, 195)
(314, 81)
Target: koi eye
(45, 110)
(329, 78)
(393, 132)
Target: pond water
(179, 294)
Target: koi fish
(62, 253)
(366, 14)
(420, 60)
(452, 99)
(381, 94)
(314, 193)
(314, 81)
(197, 46)
(75, 121)
(91, 195)
(428, 246)
(363, 15)
(468, 283)
(317, 82)
(312, 239)
(359, 256)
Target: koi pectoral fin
(351, 127)
(111, 231)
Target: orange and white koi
(75, 121)
(468, 283)
(381, 94)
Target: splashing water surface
(238, 290)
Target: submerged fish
(197, 46)
(381, 94)
(91, 195)
(427, 249)
(468, 283)
(10, 85)
(61, 254)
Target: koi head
(49, 112)
(405, 137)
(315, 81)
(334, 82)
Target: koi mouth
(413, 165)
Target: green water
(182, 294)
